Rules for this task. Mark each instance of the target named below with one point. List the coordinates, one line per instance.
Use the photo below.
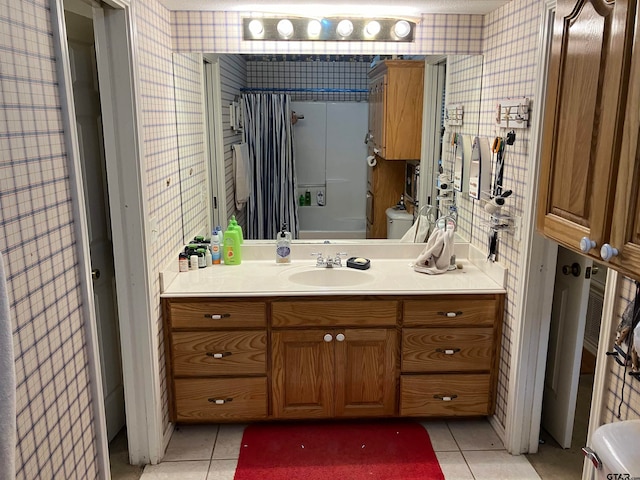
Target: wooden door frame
(115, 31)
(531, 333)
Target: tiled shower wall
(55, 431)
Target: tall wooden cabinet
(395, 109)
(395, 133)
(586, 102)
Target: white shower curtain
(269, 136)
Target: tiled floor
(466, 450)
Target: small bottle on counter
(193, 262)
(215, 248)
(283, 245)
(307, 198)
(183, 262)
(202, 262)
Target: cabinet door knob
(586, 244)
(328, 337)
(340, 337)
(607, 252)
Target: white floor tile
(454, 466)
(441, 438)
(222, 469)
(191, 442)
(228, 442)
(499, 466)
(475, 435)
(176, 471)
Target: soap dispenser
(283, 245)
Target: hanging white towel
(241, 174)
(436, 256)
(418, 232)
(7, 386)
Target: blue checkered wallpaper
(55, 431)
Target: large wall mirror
(329, 94)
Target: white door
(568, 319)
(89, 125)
(218, 212)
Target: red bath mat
(394, 450)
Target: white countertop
(257, 276)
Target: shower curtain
(269, 136)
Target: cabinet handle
(450, 314)
(218, 354)
(328, 337)
(607, 252)
(340, 337)
(219, 401)
(445, 398)
(447, 351)
(586, 244)
(216, 316)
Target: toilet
(398, 222)
(614, 451)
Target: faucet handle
(337, 260)
(319, 259)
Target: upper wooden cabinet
(583, 125)
(395, 109)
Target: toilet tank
(616, 446)
(398, 222)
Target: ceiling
(391, 8)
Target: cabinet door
(302, 374)
(376, 113)
(625, 230)
(365, 372)
(583, 118)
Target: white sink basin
(330, 277)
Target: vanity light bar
(328, 29)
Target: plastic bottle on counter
(231, 249)
(283, 245)
(183, 262)
(215, 248)
(202, 262)
(233, 225)
(193, 262)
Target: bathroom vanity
(296, 342)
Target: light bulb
(314, 28)
(255, 27)
(402, 28)
(345, 28)
(285, 28)
(373, 28)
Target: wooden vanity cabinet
(582, 166)
(449, 356)
(216, 353)
(326, 372)
(396, 90)
(247, 359)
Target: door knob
(586, 244)
(607, 252)
(95, 273)
(573, 269)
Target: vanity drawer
(218, 314)
(219, 353)
(334, 313)
(452, 311)
(242, 399)
(446, 349)
(426, 395)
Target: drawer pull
(216, 316)
(219, 401)
(447, 351)
(445, 398)
(450, 314)
(218, 354)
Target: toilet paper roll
(371, 160)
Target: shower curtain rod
(310, 90)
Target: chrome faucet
(328, 262)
